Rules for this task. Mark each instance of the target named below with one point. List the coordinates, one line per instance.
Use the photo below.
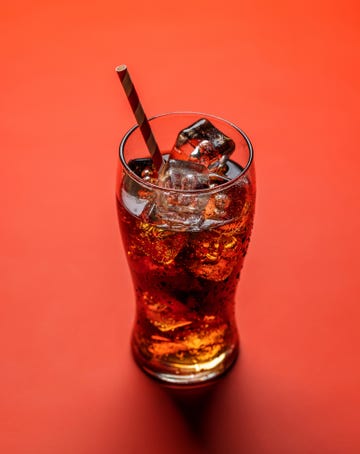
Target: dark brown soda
(185, 281)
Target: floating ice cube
(217, 207)
(202, 142)
(183, 175)
(161, 246)
(180, 208)
(212, 255)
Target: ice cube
(179, 209)
(212, 255)
(217, 207)
(224, 206)
(162, 246)
(165, 314)
(202, 142)
(183, 175)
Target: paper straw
(140, 116)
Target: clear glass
(185, 262)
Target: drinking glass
(185, 249)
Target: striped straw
(140, 116)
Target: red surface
(288, 74)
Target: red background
(288, 74)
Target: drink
(185, 273)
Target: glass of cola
(186, 229)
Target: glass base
(187, 374)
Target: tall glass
(185, 250)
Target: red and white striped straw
(140, 116)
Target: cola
(185, 247)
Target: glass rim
(152, 186)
